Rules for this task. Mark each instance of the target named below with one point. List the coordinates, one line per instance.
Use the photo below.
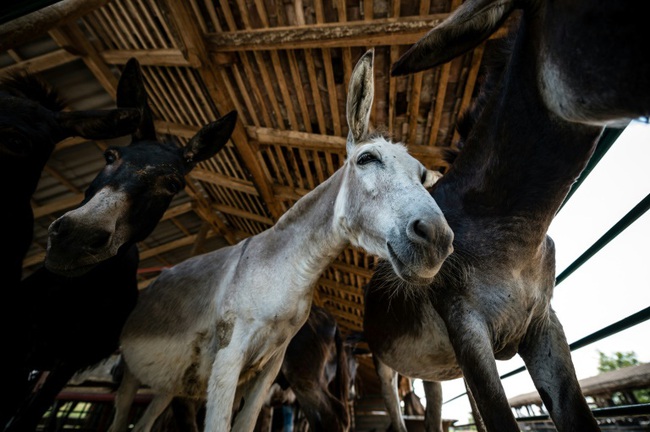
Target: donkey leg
(185, 413)
(471, 341)
(153, 411)
(388, 379)
(123, 400)
(222, 386)
(548, 358)
(478, 420)
(34, 408)
(433, 413)
(256, 393)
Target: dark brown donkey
(70, 313)
(571, 66)
(32, 122)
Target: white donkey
(218, 324)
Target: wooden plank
(64, 181)
(313, 83)
(37, 23)
(440, 102)
(288, 193)
(392, 90)
(147, 57)
(254, 84)
(69, 142)
(414, 107)
(200, 239)
(300, 91)
(58, 205)
(40, 63)
(385, 31)
(222, 180)
(71, 36)
(341, 302)
(270, 92)
(242, 213)
(166, 247)
(331, 86)
(336, 144)
(269, 136)
(477, 57)
(178, 210)
(284, 91)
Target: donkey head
(384, 206)
(129, 196)
(588, 54)
(32, 121)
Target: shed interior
(284, 66)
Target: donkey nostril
(98, 240)
(422, 230)
(60, 227)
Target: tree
(617, 361)
(620, 360)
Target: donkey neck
(519, 160)
(308, 231)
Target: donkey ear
(99, 124)
(431, 178)
(131, 93)
(209, 140)
(469, 25)
(361, 92)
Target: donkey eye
(173, 186)
(365, 158)
(423, 177)
(110, 156)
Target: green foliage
(617, 361)
(620, 360)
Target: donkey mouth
(70, 265)
(71, 270)
(407, 272)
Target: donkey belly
(428, 356)
(410, 337)
(169, 365)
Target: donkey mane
(31, 87)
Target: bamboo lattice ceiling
(284, 66)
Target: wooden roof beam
(267, 136)
(197, 52)
(40, 63)
(387, 31)
(152, 57)
(70, 37)
(37, 23)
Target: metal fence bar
(605, 142)
(614, 411)
(639, 210)
(617, 327)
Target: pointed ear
(209, 140)
(361, 92)
(469, 25)
(99, 124)
(131, 93)
(432, 178)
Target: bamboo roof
(604, 384)
(284, 66)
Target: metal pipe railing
(639, 210)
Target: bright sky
(612, 284)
